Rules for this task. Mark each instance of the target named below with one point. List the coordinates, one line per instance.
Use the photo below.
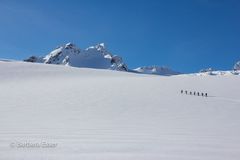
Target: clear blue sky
(186, 35)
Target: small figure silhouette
(202, 94)
(206, 95)
(198, 93)
(194, 93)
(185, 92)
(181, 91)
(190, 93)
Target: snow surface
(101, 114)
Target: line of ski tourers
(194, 93)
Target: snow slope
(101, 114)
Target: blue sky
(186, 35)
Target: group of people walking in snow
(194, 93)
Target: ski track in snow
(228, 99)
(99, 114)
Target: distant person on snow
(190, 93)
(182, 91)
(194, 93)
(202, 94)
(206, 95)
(198, 93)
(186, 92)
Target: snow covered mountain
(237, 66)
(212, 72)
(92, 57)
(100, 58)
(217, 73)
(156, 70)
(206, 70)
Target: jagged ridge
(92, 57)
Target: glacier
(99, 114)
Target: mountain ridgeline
(100, 58)
(92, 57)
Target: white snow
(94, 114)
